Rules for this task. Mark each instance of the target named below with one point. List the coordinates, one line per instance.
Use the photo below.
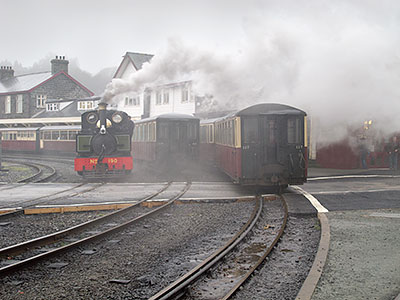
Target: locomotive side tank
(103, 145)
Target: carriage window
(192, 131)
(72, 135)
(175, 133)
(47, 135)
(294, 131)
(203, 134)
(250, 130)
(63, 135)
(152, 127)
(55, 135)
(146, 132)
(232, 142)
(269, 131)
(163, 131)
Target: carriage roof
(269, 109)
(260, 109)
(169, 116)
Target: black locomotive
(103, 145)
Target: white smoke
(337, 60)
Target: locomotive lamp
(102, 116)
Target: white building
(168, 98)
(131, 103)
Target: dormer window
(52, 106)
(85, 105)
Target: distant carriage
(46, 139)
(166, 138)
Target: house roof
(136, 59)
(71, 110)
(23, 82)
(28, 82)
(92, 98)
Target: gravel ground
(363, 258)
(150, 255)
(15, 172)
(282, 275)
(26, 227)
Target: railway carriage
(46, 139)
(58, 138)
(168, 137)
(264, 144)
(20, 139)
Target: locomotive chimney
(102, 116)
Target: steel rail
(264, 256)
(180, 284)
(20, 211)
(32, 177)
(56, 236)
(39, 171)
(34, 259)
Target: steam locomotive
(103, 145)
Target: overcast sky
(99, 32)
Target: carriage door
(295, 142)
(250, 147)
(269, 140)
(178, 134)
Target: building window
(135, 101)
(41, 101)
(158, 98)
(185, 95)
(166, 98)
(19, 104)
(85, 105)
(52, 106)
(7, 108)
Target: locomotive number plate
(105, 160)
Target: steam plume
(337, 60)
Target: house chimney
(6, 73)
(59, 64)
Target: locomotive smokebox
(102, 117)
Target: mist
(340, 62)
(94, 82)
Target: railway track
(42, 172)
(30, 252)
(19, 207)
(228, 269)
